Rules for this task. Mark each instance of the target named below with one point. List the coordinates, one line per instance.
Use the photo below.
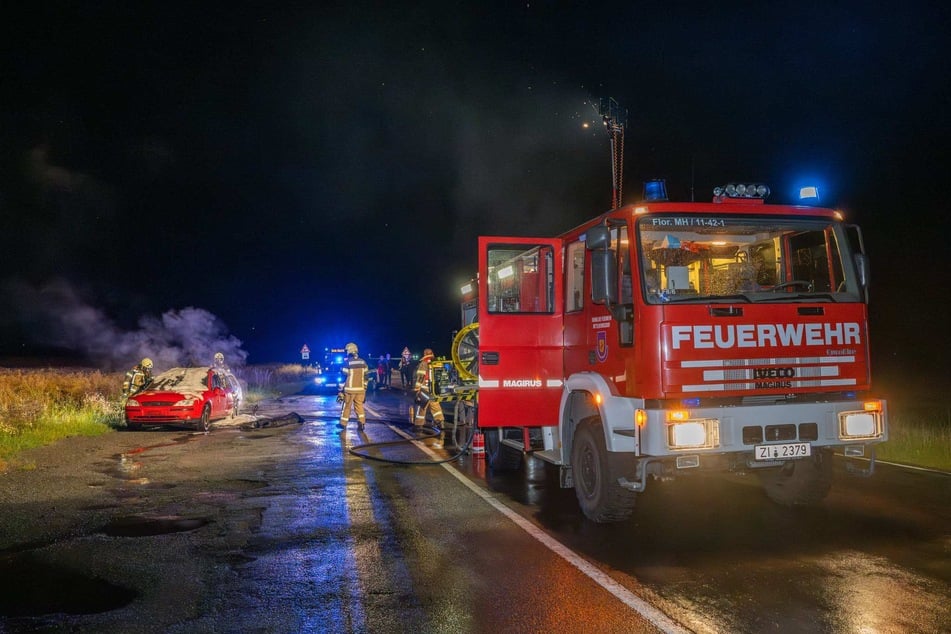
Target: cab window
(520, 279)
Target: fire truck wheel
(799, 482)
(601, 498)
(501, 457)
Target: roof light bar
(741, 190)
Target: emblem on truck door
(602, 345)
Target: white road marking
(628, 598)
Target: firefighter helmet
(146, 363)
(351, 348)
(428, 352)
(219, 358)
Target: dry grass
(38, 407)
(272, 381)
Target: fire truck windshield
(699, 257)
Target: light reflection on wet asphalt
(712, 553)
(327, 545)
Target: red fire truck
(668, 338)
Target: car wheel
(204, 423)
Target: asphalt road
(281, 529)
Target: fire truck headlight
(856, 425)
(695, 434)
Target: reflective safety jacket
(135, 380)
(356, 371)
(424, 377)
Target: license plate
(782, 451)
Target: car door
(219, 395)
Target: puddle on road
(31, 587)
(181, 440)
(136, 526)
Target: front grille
(752, 435)
(780, 432)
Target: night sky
(318, 172)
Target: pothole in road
(32, 587)
(136, 526)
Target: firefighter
(220, 362)
(355, 387)
(138, 378)
(406, 369)
(424, 386)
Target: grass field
(41, 406)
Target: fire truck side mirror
(597, 238)
(603, 277)
(861, 269)
(603, 272)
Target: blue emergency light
(809, 194)
(655, 190)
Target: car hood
(177, 382)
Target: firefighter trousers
(354, 401)
(428, 407)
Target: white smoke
(185, 337)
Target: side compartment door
(520, 331)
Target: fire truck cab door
(520, 331)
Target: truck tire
(803, 482)
(599, 495)
(499, 457)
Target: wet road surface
(282, 529)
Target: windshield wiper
(709, 298)
(806, 298)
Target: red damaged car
(185, 396)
